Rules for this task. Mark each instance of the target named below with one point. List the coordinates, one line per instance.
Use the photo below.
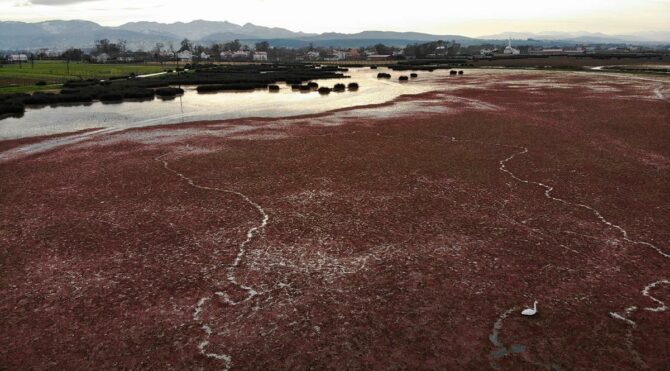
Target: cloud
(58, 2)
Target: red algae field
(404, 235)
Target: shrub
(305, 89)
(41, 83)
(11, 108)
(339, 88)
(38, 99)
(414, 75)
(313, 85)
(403, 78)
(383, 75)
(169, 92)
(460, 72)
(111, 97)
(138, 94)
(373, 67)
(452, 72)
(295, 87)
(273, 88)
(353, 86)
(324, 90)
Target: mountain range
(584, 36)
(82, 34)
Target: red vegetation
(392, 241)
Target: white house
(241, 54)
(488, 51)
(260, 56)
(204, 56)
(337, 55)
(102, 58)
(549, 51)
(510, 50)
(185, 56)
(313, 55)
(14, 58)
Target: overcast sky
(466, 17)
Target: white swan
(530, 312)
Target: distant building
(336, 55)
(379, 57)
(340, 55)
(509, 50)
(241, 54)
(313, 55)
(17, 58)
(577, 50)
(260, 56)
(102, 58)
(125, 59)
(204, 56)
(185, 56)
(226, 55)
(548, 51)
(353, 54)
(488, 52)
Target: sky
(469, 18)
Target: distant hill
(197, 30)
(584, 37)
(65, 34)
(144, 35)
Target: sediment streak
(628, 312)
(230, 271)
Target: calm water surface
(229, 105)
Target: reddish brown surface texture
(406, 236)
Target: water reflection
(225, 105)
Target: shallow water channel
(193, 106)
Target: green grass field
(15, 78)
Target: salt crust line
(549, 189)
(662, 307)
(230, 272)
(628, 312)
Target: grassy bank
(21, 78)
